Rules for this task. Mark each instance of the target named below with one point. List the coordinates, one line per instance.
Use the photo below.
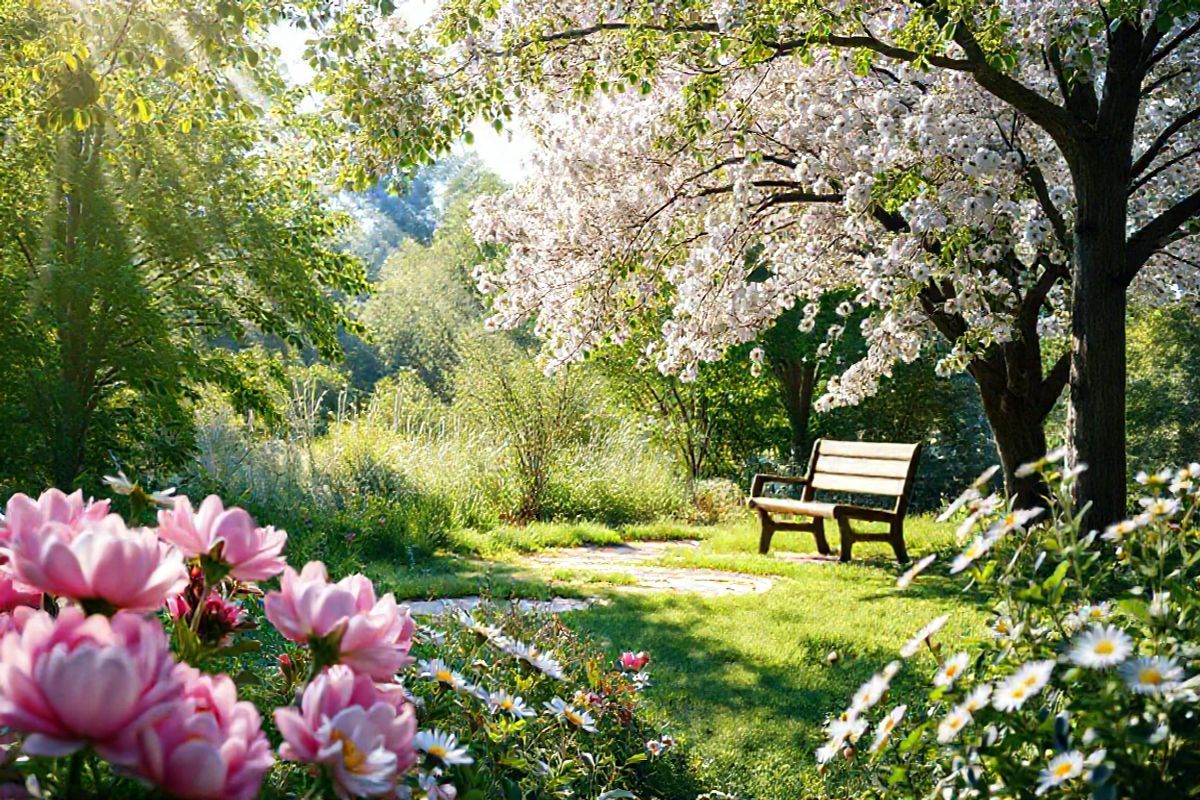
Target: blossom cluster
(803, 173)
(1087, 685)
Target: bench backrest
(877, 468)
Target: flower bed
(148, 661)
(1088, 686)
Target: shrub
(1088, 685)
(196, 687)
(716, 500)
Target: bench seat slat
(867, 467)
(888, 450)
(857, 484)
(783, 505)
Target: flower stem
(75, 776)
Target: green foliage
(150, 211)
(1163, 407)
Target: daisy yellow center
(951, 670)
(1030, 682)
(437, 751)
(974, 550)
(1063, 769)
(445, 676)
(1097, 613)
(1018, 692)
(352, 756)
(1011, 519)
(574, 717)
(507, 705)
(1150, 675)
(887, 725)
(1105, 648)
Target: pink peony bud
(250, 553)
(220, 617)
(372, 636)
(99, 563)
(363, 735)
(73, 681)
(634, 662)
(210, 747)
(24, 514)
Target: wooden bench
(882, 469)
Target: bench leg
(819, 535)
(846, 534)
(768, 530)
(898, 541)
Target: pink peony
(24, 514)
(362, 735)
(15, 620)
(100, 563)
(634, 662)
(13, 595)
(76, 681)
(250, 553)
(342, 622)
(210, 747)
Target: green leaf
(1056, 577)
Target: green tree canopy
(158, 199)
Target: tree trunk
(1020, 435)
(1096, 418)
(797, 379)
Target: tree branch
(1161, 141)
(1155, 233)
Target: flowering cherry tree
(994, 172)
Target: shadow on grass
(747, 681)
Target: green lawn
(744, 681)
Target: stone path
(630, 560)
(559, 605)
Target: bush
(1089, 684)
(716, 500)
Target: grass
(746, 680)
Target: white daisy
(1160, 604)
(849, 727)
(442, 746)
(1062, 768)
(825, 753)
(957, 719)
(1101, 646)
(920, 637)
(1090, 613)
(978, 698)
(883, 731)
(951, 669)
(916, 569)
(542, 662)
(1160, 478)
(1159, 507)
(870, 692)
(1027, 681)
(975, 550)
(512, 705)
(1017, 518)
(490, 633)
(654, 747)
(439, 671)
(1152, 674)
(572, 715)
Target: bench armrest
(762, 479)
